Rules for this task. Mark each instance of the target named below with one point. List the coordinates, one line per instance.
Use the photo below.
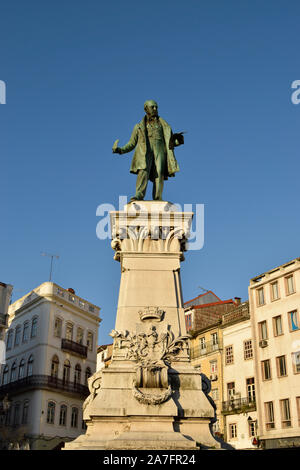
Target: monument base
(150, 396)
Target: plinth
(149, 397)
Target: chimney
(237, 300)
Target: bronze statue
(153, 158)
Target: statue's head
(151, 108)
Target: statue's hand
(117, 150)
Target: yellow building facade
(206, 354)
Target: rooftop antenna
(202, 288)
(51, 264)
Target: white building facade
(5, 295)
(274, 299)
(51, 351)
(239, 384)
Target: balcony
(74, 348)
(45, 382)
(238, 405)
(207, 348)
(3, 320)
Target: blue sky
(77, 75)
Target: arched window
(16, 414)
(63, 415)
(77, 375)
(13, 372)
(17, 335)
(30, 366)
(88, 373)
(25, 412)
(74, 417)
(66, 373)
(21, 369)
(5, 375)
(34, 327)
(51, 412)
(54, 367)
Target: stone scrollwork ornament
(153, 354)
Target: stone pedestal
(150, 397)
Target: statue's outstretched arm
(130, 145)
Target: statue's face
(151, 108)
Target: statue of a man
(153, 158)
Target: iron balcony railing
(239, 405)
(73, 347)
(44, 382)
(207, 348)
(3, 320)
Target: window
(214, 341)
(277, 326)
(260, 296)
(57, 327)
(22, 369)
(230, 390)
(274, 291)
(250, 385)
(215, 394)
(66, 372)
(63, 415)
(34, 327)
(25, 412)
(296, 362)
(188, 321)
(69, 331)
(293, 320)
(79, 338)
(17, 414)
(266, 369)
(202, 345)
(51, 412)
(229, 355)
(289, 285)
(54, 367)
(285, 413)
(252, 428)
(9, 339)
(248, 350)
(77, 375)
(269, 413)
(90, 341)
(25, 332)
(88, 374)
(74, 418)
(5, 375)
(213, 367)
(298, 409)
(281, 366)
(18, 335)
(13, 373)
(262, 330)
(30, 366)
(232, 431)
